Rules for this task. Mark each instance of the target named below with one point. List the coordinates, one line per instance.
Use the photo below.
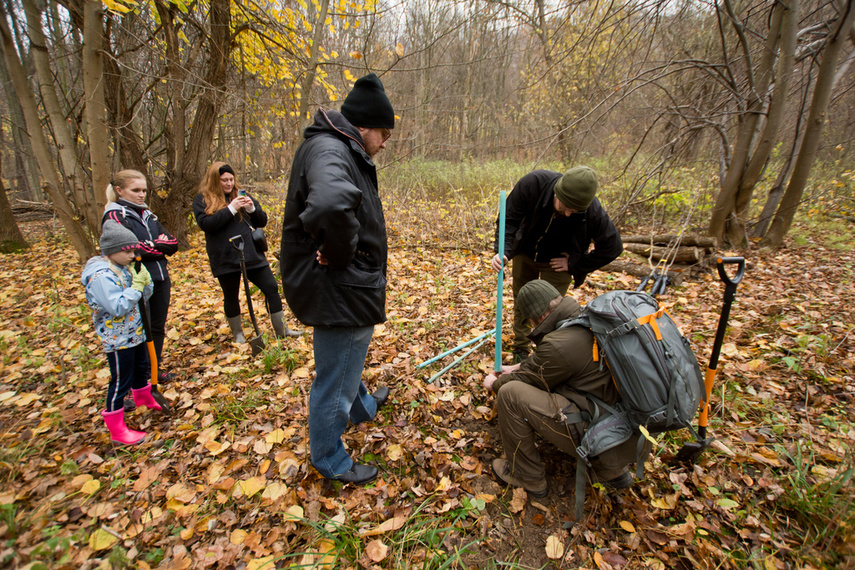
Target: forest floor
(225, 481)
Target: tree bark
(98, 135)
(80, 241)
(724, 223)
(816, 119)
(69, 163)
(686, 254)
(185, 181)
(687, 239)
(11, 238)
(26, 172)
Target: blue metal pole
(457, 361)
(497, 366)
(455, 349)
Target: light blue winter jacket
(114, 303)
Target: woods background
(723, 108)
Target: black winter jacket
(148, 229)
(222, 225)
(533, 228)
(333, 206)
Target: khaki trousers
(524, 269)
(525, 410)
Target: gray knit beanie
(577, 188)
(534, 298)
(116, 237)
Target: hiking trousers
(525, 411)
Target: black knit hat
(367, 104)
(115, 237)
(534, 298)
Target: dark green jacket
(563, 362)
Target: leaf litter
(225, 482)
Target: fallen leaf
(101, 540)
(519, 500)
(376, 550)
(554, 547)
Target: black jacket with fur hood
(333, 206)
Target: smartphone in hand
(241, 192)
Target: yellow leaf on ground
(237, 536)
(276, 436)
(216, 448)
(376, 550)
(394, 452)
(390, 524)
(627, 526)
(554, 547)
(101, 540)
(294, 512)
(274, 491)
(266, 563)
(252, 485)
(90, 487)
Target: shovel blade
(257, 345)
(691, 450)
(161, 400)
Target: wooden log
(667, 239)
(683, 254)
(640, 271)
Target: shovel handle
(740, 271)
(152, 354)
(729, 294)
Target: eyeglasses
(386, 134)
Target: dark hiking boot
(502, 471)
(381, 394)
(359, 474)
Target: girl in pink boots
(113, 291)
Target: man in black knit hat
(551, 220)
(333, 261)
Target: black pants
(262, 278)
(158, 308)
(129, 368)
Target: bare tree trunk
(11, 238)
(724, 222)
(98, 134)
(312, 65)
(819, 105)
(69, 163)
(185, 181)
(26, 172)
(775, 113)
(78, 237)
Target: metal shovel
(257, 343)
(690, 450)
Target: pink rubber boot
(143, 397)
(119, 432)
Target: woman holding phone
(224, 211)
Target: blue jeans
(337, 395)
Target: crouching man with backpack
(542, 395)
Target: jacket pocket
(355, 277)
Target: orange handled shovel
(692, 449)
